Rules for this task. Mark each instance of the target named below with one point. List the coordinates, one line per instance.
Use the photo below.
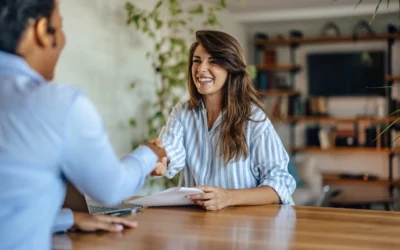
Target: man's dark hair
(15, 16)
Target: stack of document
(170, 197)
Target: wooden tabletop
(251, 227)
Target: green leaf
(359, 2)
(395, 112)
(152, 35)
(136, 19)
(376, 10)
(159, 114)
(222, 3)
(159, 24)
(386, 129)
(132, 123)
(135, 145)
(133, 85)
(158, 5)
(197, 10)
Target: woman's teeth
(205, 80)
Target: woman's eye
(196, 60)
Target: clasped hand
(158, 148)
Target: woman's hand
(90, 223)
(214, 198)
(161, 167)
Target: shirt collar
(14, 63)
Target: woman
(221, 140)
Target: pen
(122, 213)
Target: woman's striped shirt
(193, 152)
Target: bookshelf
(292, 118)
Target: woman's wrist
(231, 197)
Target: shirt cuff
(146, 157)
(172, 153)
(280, 189)
(63, 221)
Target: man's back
(32, 126)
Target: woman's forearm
(253, 196)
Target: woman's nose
(202, 67)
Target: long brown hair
(238, 92)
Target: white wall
(103, 56)
(355, 163)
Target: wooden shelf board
(334, 119)
(334, 179)
(392, 78)
(276, 67)
(322, 39)
(347, 150)
(279, 92)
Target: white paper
(169, 197)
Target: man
(52, 133)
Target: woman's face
(208, 76)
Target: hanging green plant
(169, 56)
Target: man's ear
(44, 38)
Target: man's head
(32, 29)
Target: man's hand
(157, 147)
(214, 198)
(90, 223)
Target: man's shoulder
(58, 92)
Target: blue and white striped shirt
(191, 147)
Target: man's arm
(90, 163)
(64, 221)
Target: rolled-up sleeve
(270, 161)
(64, 221)
(172, 136)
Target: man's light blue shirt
(50, 133)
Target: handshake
(158, 148)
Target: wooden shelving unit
(322, 39)
(346, 150)
(274, 67)
(293, 44)
(279, 92)
(334, 179)
(392, 78)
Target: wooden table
(251, 227)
